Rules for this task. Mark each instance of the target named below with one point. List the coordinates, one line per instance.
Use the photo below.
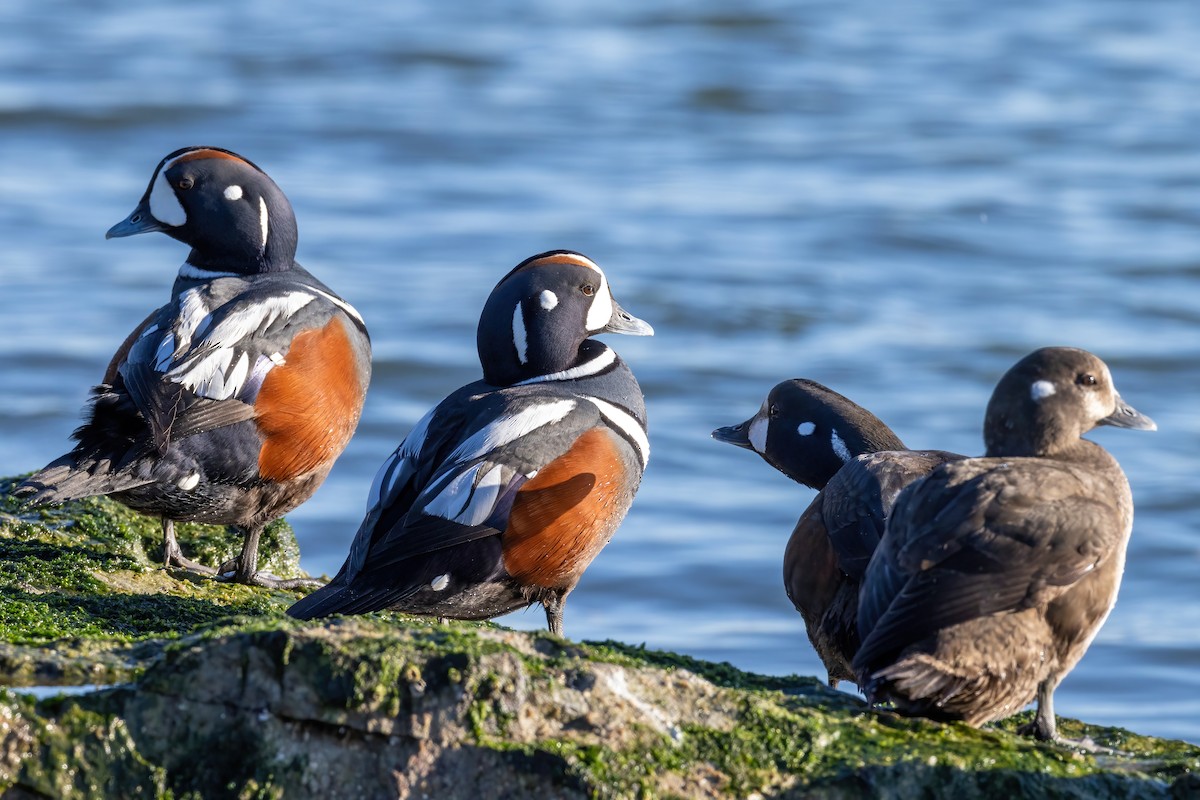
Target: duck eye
(773, 411)
(588, 289)
(1086, 379)
(184, 183)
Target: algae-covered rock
(213, 692)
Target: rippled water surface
(897, 203)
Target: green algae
(84, 601)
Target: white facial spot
(440, 582)
(1040, 390)
(263, 220)
(189, 482)
(602, 306)
(758, 434)
(839, 447)
(164, 205)
(805, 428)
(233, 193)
(548, 299)
(520, 337)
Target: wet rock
(220, 695)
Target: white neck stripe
(191, 272)
(602, 361)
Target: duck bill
(1126, 416)
(140, 220)
(622, 321)
(736, 435)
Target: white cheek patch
(548, 299)
(164, 205)
(758, 434)
(1099, 404)
(1040, 390)
(233, 193)
(263, 221)
(602, 306)
(520, 337)
(805, 428)
(839, 447)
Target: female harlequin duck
(229, 404)
(827, 442)
(995, 573)
(503, 494)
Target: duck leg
(173, 556)
(1043, 727)
(554, 604)
(244, 568)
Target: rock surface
(187, 688)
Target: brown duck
(995, 573)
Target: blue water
(897, 201)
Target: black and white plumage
(502, 494)
(230, 403)
(995, 573)
(858, 465)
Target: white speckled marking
(1040, 390)
(805, 428)
(233, 193)
(548, 299)
(520, 337)
(440, 582)
(839, 446)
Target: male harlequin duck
(827, 442)
(229, 404)
(503, 494)
(995, 573)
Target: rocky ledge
(128, 681)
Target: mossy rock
(213, 692)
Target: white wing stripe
(510, 428)
(470, 497)
(241, 323)
(400, 465)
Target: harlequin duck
(827, 442)
(995, 573)
(229, 404)
(503, 494)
